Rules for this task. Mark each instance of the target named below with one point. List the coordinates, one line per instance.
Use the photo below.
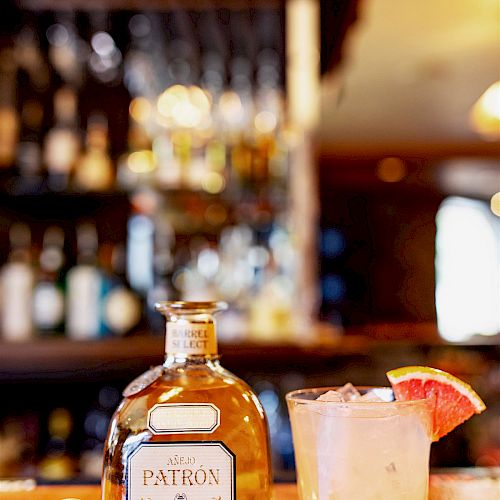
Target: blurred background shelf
(146, 4)
(55, 358)
(59, 357)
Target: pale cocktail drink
(365, 448)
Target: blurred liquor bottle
(121, 307)
(66, 51)
(95, 426)
(57, 464)
(16, 286)
(140, 242)
(84, 287)
(62, 142)
(9, 119)
(168, 171)
(29, 56)
(13, 447)
(136, 167)
(182, 152)
(163, 267)
(94, 170)
(29, 152)
(48, 293)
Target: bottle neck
(180, 360)
(191, 339)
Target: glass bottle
(62, 143)
(16, 287)
(29, 151)
(188, 428)
(121, 307)
(84, 287)
(94, 170)
(57, 464)
(48, 293)
(9, 119)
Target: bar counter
(281, 492)
(473, 483)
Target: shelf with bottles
(157, 108)
(194, 135)
(62, 277)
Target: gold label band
(191, 338)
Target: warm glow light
(184, 107)
(391, 169)
(230, 106)
(140, 109)
(170, 97)
(265, 122)
(141, 162)
(485, 114)
(213, 183)
(199, 98)
(185, 114)
(495, 204)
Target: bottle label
(186, 470)
(84, 285)
(183, 418)
(191, 338)
(16, 285)
(48, 306)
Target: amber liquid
(243, 426)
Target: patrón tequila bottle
(189, 429)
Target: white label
(48, 305)
(183, 418)
(83, 302)
(181, 471)
(16, 285)
(191, 338)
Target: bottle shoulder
(187, 384)
(191, 376)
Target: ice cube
(370, 397)
(349, 392)
(331, 397)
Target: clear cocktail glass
(361, 449)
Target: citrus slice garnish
(455, 400)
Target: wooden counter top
(281, 492)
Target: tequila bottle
(188, 428)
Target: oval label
(183, 418)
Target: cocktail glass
(360, 450)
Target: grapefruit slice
(455, 401)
